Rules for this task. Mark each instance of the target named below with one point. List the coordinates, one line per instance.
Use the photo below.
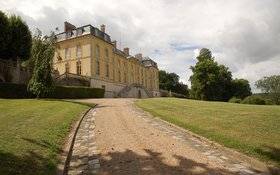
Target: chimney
(126, 51)
(139, 56)
(68, 27)
(114, 43)
(102, 28)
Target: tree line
(213, 82)
(17, 43)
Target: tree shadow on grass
(30, 163)
(129, 162)
(44, 144)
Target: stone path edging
(64, 160)
(84, 157)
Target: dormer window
(69, 34)
(80, 31)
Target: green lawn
(252, 129)
(32, 133)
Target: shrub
(257, 100)
(269, 102)
(11, 90)
(235, 100)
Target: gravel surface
(130, 142)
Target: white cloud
(243, 34)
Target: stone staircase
(124, 92)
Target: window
(79, 51)
(67, 53)
(120, 76)
(106, 55)
(79, 68)
(125, 78)
(97, 52)
(107, 70)
(97, 67)
(114, 74)
(67, 68)
(103, 86)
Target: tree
(181, 88)
(271, 86)
(4, 22)
(170, 82)
(210, 81)
(42, 53)
(19, 39)
(240, 88)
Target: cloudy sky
(242, 34)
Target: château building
(87, 54)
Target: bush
(257, 100)
(269, 102)
(235, 100)
(11, 90)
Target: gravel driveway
(131, 142)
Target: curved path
(129, 141)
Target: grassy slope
(252, 129)
(32, 133)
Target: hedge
(11, 90)
(77, 92)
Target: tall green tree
(210, 81)
(4, 26)
(19, 39)
(271, 86)
(42, 53)
(241, 88)
(170, 82)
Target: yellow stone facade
(88, 51)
